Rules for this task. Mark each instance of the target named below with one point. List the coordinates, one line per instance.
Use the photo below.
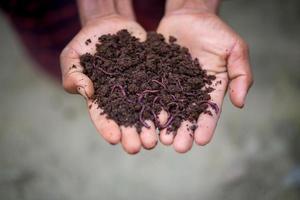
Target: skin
(99, 18)
(220, 50)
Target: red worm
(150, 91)
(172, 103)
(105, 72)
(179, 84)
(174, 98)
(99, 68)
(120, 87)
(213, 105)
(154, 100)
(170, 120)
(155, 117)
(160, 83)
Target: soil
(135, 80)
(88, 41)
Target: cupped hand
(221, 52)
(74, 81)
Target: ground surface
(50, 150)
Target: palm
(211, 41)
(75, 81)
(208, 39)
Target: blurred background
(49, 149)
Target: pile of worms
(134, 81)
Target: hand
(74, 81)
(221, 52)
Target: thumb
(73, 80)
(239, 72)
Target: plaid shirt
(45, 27)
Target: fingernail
(81, 91)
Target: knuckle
(69, 84)
(66, 85)
(64, 53)
(250, 81)
(69, 52)
(244, 45)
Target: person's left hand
(222, 53)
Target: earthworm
(101, 58)
(141, 95)
(130, 100)
(155, 117)
(173, 96)
(213, 105)
(163, 79)
(160, 83)
(99, 68)
(105, 72)
(169, 121)
(173, 103)
(180, 115)
(154, 100)
(141, 117)
(120, 87)
(190, 94)
(161, 102)
(150, 91)
(179, 84)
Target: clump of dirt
(135, 80)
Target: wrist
(192, 6)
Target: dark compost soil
(135, 80)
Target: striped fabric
(45, 27)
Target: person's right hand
(74, 81)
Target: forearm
(91, 9)
(193, 5)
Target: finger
(149, 136)
(239, 72)
(165, 136)
(130, 140)
(183, 141)
(90, 10)
(206, 123)
(74, 81)
(162, 117)
(125, 8)
(109, 129)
